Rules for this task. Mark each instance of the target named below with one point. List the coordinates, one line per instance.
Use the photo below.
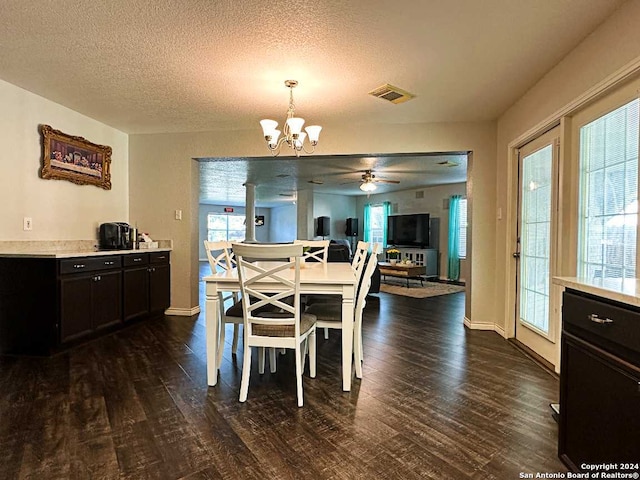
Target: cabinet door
(599, 405)
(75, 306)
(136, 292)
(107, 299)
(159, 288)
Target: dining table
(317, 278)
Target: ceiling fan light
(295, 125)
(314, 133)
(368, 187)
(268, 127)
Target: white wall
(338, 208)
(614, 44)
(431, 203)
(60, 209)
(283, 224)
(262, 233)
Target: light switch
(27, 223)
(178, 214)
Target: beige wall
(163, 177)
(60, 209)
(610, 47)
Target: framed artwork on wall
(75, 159)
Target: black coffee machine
(116, 236)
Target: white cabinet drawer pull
(78, 265)
(137, 259)
(109, 263)
(595, 318)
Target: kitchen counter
(625, 291)
(80, 253)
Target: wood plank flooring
(437, 401)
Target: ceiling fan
(369, 180)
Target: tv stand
(424, 257)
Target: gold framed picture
(75, 159)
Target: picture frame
(67, 157)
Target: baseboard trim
(478, 326)
(183, 312)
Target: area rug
(430, 289)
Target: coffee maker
(117, 236)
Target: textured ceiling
(278, 179)
(154, 66)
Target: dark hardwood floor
(437, 401)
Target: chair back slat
(219, 255)
(269, 283)
(365, 284)
(318, 249)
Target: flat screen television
(408, 230)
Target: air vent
(393, 94)
(283, 175)
(420, 194)
(316, 182)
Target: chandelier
(292, 133)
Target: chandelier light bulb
(273, 143)
(268, 127)
(313, 131)
(295, 125)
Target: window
(221, 226)
(609, 194)
(462, 212)
(377, 226)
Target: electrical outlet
(178, 214)
(27, 223)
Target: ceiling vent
(420, 194)
(448, 163)
(315, 182)
(393, 94)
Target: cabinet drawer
(136, 259)
(603, 324)
(89, 264)
(159, 258)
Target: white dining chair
(221, 258)
(329, 314)
(317, 250)
(265, 282)
(357, 264)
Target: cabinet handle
(108, 263)
(161, 258)
(78, 265)
(97, 278)
(137, 259)
(595, 318)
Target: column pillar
(250, 212)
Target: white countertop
(79, 253)
(622, 290)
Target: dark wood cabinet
(599, 382)
(90, 295)
(136, 285)
(147, 284)
(49, 303)
(159, 282)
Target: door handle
(595, 318)
(516, 254)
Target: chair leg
(326, 333)
(312, 353)
(246, 370)
(221, 342)
(304, 352)
(272, 360)
(357, 354)
(299, 354)
(234, 345)
(261, 360)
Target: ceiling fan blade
(378, 180)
